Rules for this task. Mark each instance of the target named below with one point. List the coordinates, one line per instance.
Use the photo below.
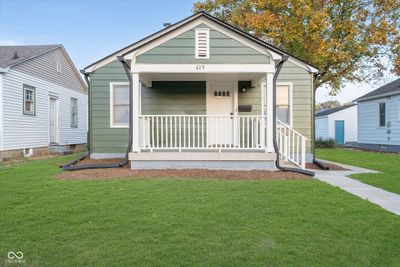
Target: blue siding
(369, 131)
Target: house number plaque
(200, 67)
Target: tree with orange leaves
(348, 40)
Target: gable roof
(327, 112)
(13, 55)
(185, 21)
(392, 88)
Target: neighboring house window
(382, 114)
(202, 43)
(283, 103)
(74, 113)
(398, 110)
(119, 104)
(29, 100)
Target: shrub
(324, 142)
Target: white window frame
(207, 31)
(290, 84)
(74, 100)
(26, 87)
(398, 110)
(379, 114)
(112, 125)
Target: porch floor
(203, 160)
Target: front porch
(211, 121)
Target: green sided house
(200, 94)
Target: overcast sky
(92, 29)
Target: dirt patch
(126, 172)
(332, 167)
(99, 161)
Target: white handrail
(218, 132)
(292, 144)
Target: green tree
(348, 40)
(327, 104)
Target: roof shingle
(12, 55)
(327, 112)
(386, 90)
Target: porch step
(202, 156)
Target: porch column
(135, 112)
(268, 80)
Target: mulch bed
(332, 167)
(126, 172)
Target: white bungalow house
(379, 118)
(338, 123)
(202, 96)
(43, 102)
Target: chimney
(15, 55)
(166, 24)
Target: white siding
(1, 111)
(45, 67)
(325, 126)
(321, 127)
(349, 116)
(369, 131)
(23, 131)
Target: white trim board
(168, 33)
(290, 84)
(112, 84)
(203, 68)
(195, 156)
(210, 24)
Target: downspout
(86, 76)
(70, 166)
(276, 148)
(321, 165)
(127, 69)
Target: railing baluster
(194, 132)
(184, 132)
(171, 132)
(180, 132)
(152, 133)
(202, 131)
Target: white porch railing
(292, 144)
(217, 132)
(190, 132)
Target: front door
(220, 108)
(53, 121)
(339, 132)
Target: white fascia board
(203, 68)
(113, 57)
(3, 70)
(361, 99)
(213, 25)
(303, 65)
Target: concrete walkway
(387, 200)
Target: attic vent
(202, 43)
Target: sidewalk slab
(387, 200)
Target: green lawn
(187, 222)
(388, 164)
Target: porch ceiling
(201, 76)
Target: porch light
(244, 88)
